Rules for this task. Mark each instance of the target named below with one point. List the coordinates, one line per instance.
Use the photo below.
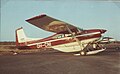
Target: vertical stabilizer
(20, 37)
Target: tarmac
(55, 62)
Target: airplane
(67, 38)
(107, 40)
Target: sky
(83, 14)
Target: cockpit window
(68, 35)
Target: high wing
(52, 25)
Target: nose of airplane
(103, 31)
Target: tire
(82, 53)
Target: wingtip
(39, 16)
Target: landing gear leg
(98, 46)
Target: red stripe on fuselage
(61, 41)
(58, 42)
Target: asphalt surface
(54, 62)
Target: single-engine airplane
(67, 37)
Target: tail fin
(20, 37)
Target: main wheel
(82, 53)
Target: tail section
(22, 41)
(20, 37)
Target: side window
(59, 36)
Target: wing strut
(79, 42)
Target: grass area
(11, 49)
